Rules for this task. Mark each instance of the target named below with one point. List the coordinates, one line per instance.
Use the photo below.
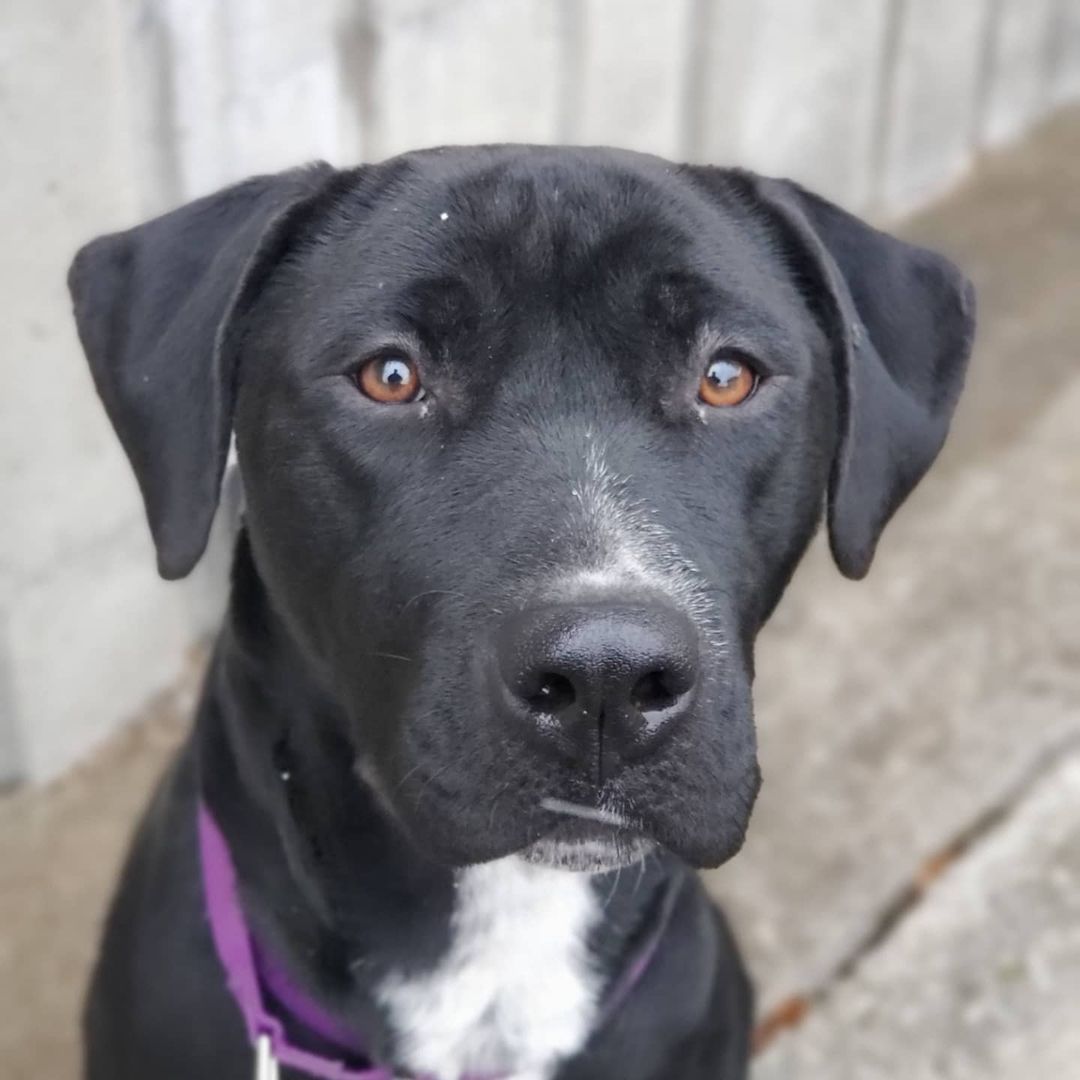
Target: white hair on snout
(600, 815)
(633, 548)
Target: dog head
(531, 441)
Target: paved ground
(910, 894)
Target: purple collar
(249, 972)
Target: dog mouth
(587, 839)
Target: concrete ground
(909, 897)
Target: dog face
(531, 442)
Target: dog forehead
(539, 214)
(496, 184)
(470, 247)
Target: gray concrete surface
(982, 981)
(755, 54)
(644, 101)
(75, 557)
(934, 99)
(60, 850)
(490, 67)
(1017, 44)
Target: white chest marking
(516, 992)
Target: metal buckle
(266, 1065)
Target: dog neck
(370, 927)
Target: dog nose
(599, 682)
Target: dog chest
(516, 991)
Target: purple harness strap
(239, 958)
(248, 969)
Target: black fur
(561, 303)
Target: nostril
(552, 694)
(598, 683)
(654, 692)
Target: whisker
(615, 885)
(495, 804)
(588, 813)
(401, 782)
(427, 782)
(429, 592)
(641, 873)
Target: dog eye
(390, 379)
(728, 380)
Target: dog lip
(587, 847)
(576, 831)
(580, 825)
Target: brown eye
(728, 380)
(390, 379)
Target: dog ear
(902, 319)
(154, 307)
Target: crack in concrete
(791, 1012)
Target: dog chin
(592, 856)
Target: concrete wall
(111, 110)
(86, 629)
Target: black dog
(531, 442)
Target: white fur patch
(517, 991)
(637, 548)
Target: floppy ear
(902, 320)
(153, 307)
